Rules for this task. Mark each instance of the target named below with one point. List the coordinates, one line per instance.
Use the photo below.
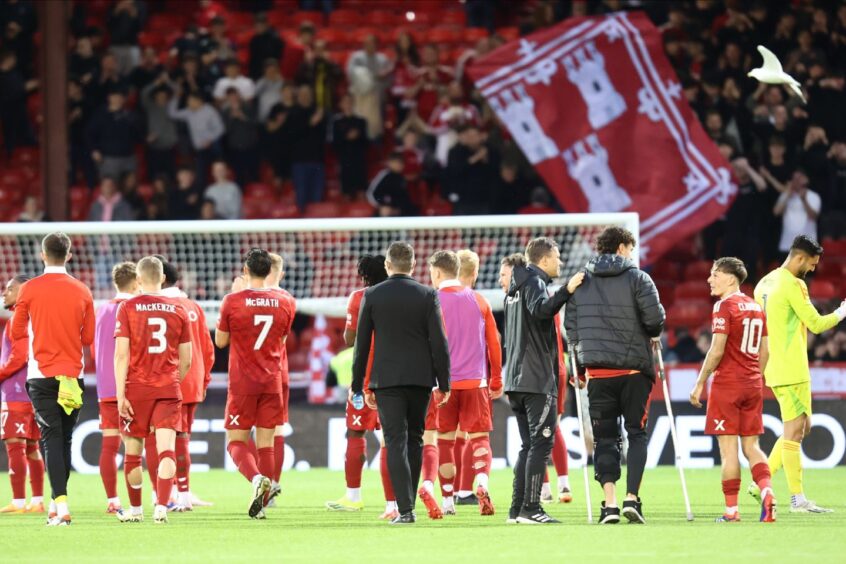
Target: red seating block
(322, 209)
(692, 290)
(299, 17)
(349, 18)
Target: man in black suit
(403, 317)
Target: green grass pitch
(301, 530)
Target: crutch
(575, 370)
(667, 401)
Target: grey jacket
(613, 315)
(531, 352)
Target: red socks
(17, 469)
(265, 461)
(457, 457)
(243, 457)
(164, 486)
(131, 462)
(151, 453)
(183, 463)
(761, 475)
(108, 464)
(446, 453)
(36, 473)
(559, 453)
(430, 463)
(466, 468)
(387, 486)
(279, 457)
(354, 461)
(730, 489)
(480, 447)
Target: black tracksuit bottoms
(536, 420)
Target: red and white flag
(599, 112)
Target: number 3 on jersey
(158, 335)
(752, 331)
(265, 321)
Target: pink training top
(13, 388)
(465, 332)
(104, 347)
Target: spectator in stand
(112, 135)
(308, 134)
(278, 137)
(511, 192)
(482, 48)
(162, 135)
(387, 191)
(349, 140)
(188, 42)
(234, 79)
(32, 211)
(84, 63)
(147, 71)
(106, 79)
(432, 77)
(208, 210)
(452, 113)
(268, 89)
(412, 169)
(205, 128)
(156, 207)
(295, 53)
(14, 90)
(265, 44)
(745, 216)
(209, 10)
(126, 20)
(367, 70)
(799, 208)
(404, 72)
(192, 77)
(224, 193)
(318, 70)
(18, 23)
(777, 172)
(79, 113)
(539, 202)
(471, 171)
(216, 48)
(110, 205)
(833, 220)
(242, 136)
(128, 187)
(184, 201)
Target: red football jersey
(155, 326)
(285, 376)
(743, 320)
(353, 307)
(257, 320)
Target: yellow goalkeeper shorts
(793, 400)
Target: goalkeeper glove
(70, 394)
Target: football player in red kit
(255, 322)
(737, 358)
(152, 356)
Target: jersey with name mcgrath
(743, 320)
(257, 320)
(155, 326)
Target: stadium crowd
(243, 109)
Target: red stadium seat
(690, 314)
(385, 18)
(335, 38)
(348, 18)
(509, 33)
(665, 270)
(358, 209)
(697, 271)
(437, 206)
(323, 209)
(473, 34)
(257, 190)
(299, 17)
(25, 156)
(823, 290)
(443, 36)
(453, 17)
(835, 248)
(692, 290)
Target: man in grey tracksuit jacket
(531, 371)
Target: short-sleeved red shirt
(743, 320)
(257, 319)
(155, 326)
(353, 307)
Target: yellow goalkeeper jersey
(790, 314)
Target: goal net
(320, 254)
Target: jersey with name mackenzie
(257, 320)
(155, 326)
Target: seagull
(772, 73)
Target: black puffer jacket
(613, 315)
(531, 353)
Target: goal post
(320, 254)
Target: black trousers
(536, 419)
(56, 428)
(402, 412)
(610, 398)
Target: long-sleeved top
(159, 121)
(57, 312)
(103, 347)
(227, 199)
(242, 131)
(263, 46)
(309, 140)
(124, 26)
(204, 124)
(114, 134)
(466, 182)
(400, 319)
(268, 94)
(13, 359)
(388, 188)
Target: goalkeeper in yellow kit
(784, 297)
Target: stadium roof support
(53, 25)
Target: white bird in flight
(771, 73)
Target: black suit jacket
(404, 318)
